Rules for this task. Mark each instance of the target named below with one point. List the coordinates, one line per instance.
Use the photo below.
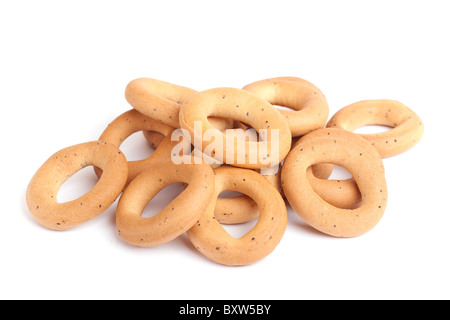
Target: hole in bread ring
(407, 127)
(154, 138)
(176, 218)
(309, 105)
(43, 189)
(162, 100)
(211, 239)
(367, 171)
(78, 185)
(239, 105)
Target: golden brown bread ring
(367, 171)
(131, 122)
(162, 100)
(340, 193)
(44, 186)
(211, 239)
(239, 105)
(310, 105)
(407, 127)
(175, 219)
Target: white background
(63, 71)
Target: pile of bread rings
(308, 148)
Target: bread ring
(367, 171)
(407, 127)
(131, 122)
(339, 193)
(242, 106)
(162, 101)
(175, 219)
(310, 105)
(209, 237)
(44, 186)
